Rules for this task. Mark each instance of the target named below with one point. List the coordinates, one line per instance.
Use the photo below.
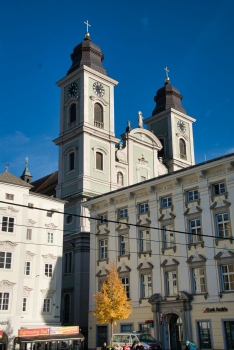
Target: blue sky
(194, 39)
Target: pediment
(31, 222)
(50, 258)
(196, 258)
(51, 225)
(145, 265)
(7, 246)
(29, 255)
(47, 292)
(169, 262)
(103, 271)
(123, 268)
(9, 209)
(146, 134)
(26, 291)
(5, 284)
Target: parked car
(146, 340)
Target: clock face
(72, 90)
(98, 89)
(181, 126)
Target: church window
(98, 116)
(73, 113)
(182, 149)
(71, 161)
(161, 152)
(67, 308)
(120, 178)
(99, 161)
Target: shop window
(144, 241)
(143, 208)
(123, 244)
(223, 226)
(168, 236)
(195, 230)
(192, 195)
(229, 328)
(103, 249)
(218, 188)
(166, 202)
(125, 282)
(199, 280)
(5, 260)
(27, 268)
(4, 301)
(171, 282)
(67, 308)
(204, 335)
(8, 224)
(227, 272)
(146, 286)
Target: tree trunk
(111, 332)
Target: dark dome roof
(168, 97)
(88, 54)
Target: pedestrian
(126, 347)
(139, 346)
(118, 347)
(134, 346)
(104, 346)
(189, 346)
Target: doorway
(101, 335)
(176, 332)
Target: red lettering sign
(32, 332)
(64, 330)
(0, 334)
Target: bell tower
(173, 127)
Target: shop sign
(33, 331)
(64, 330)
(214, 309)
(0, 334)
(149, 321)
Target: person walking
(118, 347)
(139, 346)
(104, 347)
(189, 346)
(126, 347)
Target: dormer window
(98, 116)
(73, 113)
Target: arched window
(98, 116)
(73, 113)
(161, 152)
(71, 161)
(119, 179)
(99, 161)
(67, 308)
(182, 149)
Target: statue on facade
(140, 120)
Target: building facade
(31, 242)
(172, 240)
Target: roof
(10, 178)
(26, 172)
(46, 185)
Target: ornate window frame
(104, 152)
(68, 104)
(163, 137)
(170, 265)
(194, 262)
(186, 140)
(190, 217)
(217, 211)
(103, 103)
(163, 224)
(66, 153)
(223, 258)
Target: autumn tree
(111, 302)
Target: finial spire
(87, 35)
(26, 161)
(167, 78)
(7, 165)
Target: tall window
(144, 241)
(27, 268)
(73, 113)
(50, 237)
(4, 301)
(204, 335)
(71, 161)
(146, 286)
(7, 224)
(123, 213)
(24, 306)
(123, 244)
(198, 280)
(99, 161)
(182, 149)
(102, 218)
(166, 202)
(168, 236)
(195, 230)
(46, 305)
(227, 272)
(219, 188)
(68, 262)
(119, 179)
(5, 260)
(223, 225)
(29, 234)
(98, 116)
(48, 270)
(125, 282)
(192, 195)
(143, 208)
(171, 279)
(161, 152)
(67, 308)
(103, 249)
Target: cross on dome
(88, 25)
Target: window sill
(194, 244)
(218, 239)
(99, 171)
(145, 212)
(225, 292)
(145, 253)
(168, 248)
(198, 201)
(175, 296)
(218, 195)
(123, 218)
(124, 256)
(205, 294)
(67, 273)
(102, 260)
(141, 299)
(71, 171)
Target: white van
(146, 340)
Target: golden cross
(88, 25)
(166, 71)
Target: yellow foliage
(111, 302)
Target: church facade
(93, 161)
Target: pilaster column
(184, 324)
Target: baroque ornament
(7, 246)
(49, 258)
(5, 284)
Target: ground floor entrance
(229, 329)
(176, 332)
(101, 335)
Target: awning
(3, 339)
(53, 337)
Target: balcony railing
(99, 124)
